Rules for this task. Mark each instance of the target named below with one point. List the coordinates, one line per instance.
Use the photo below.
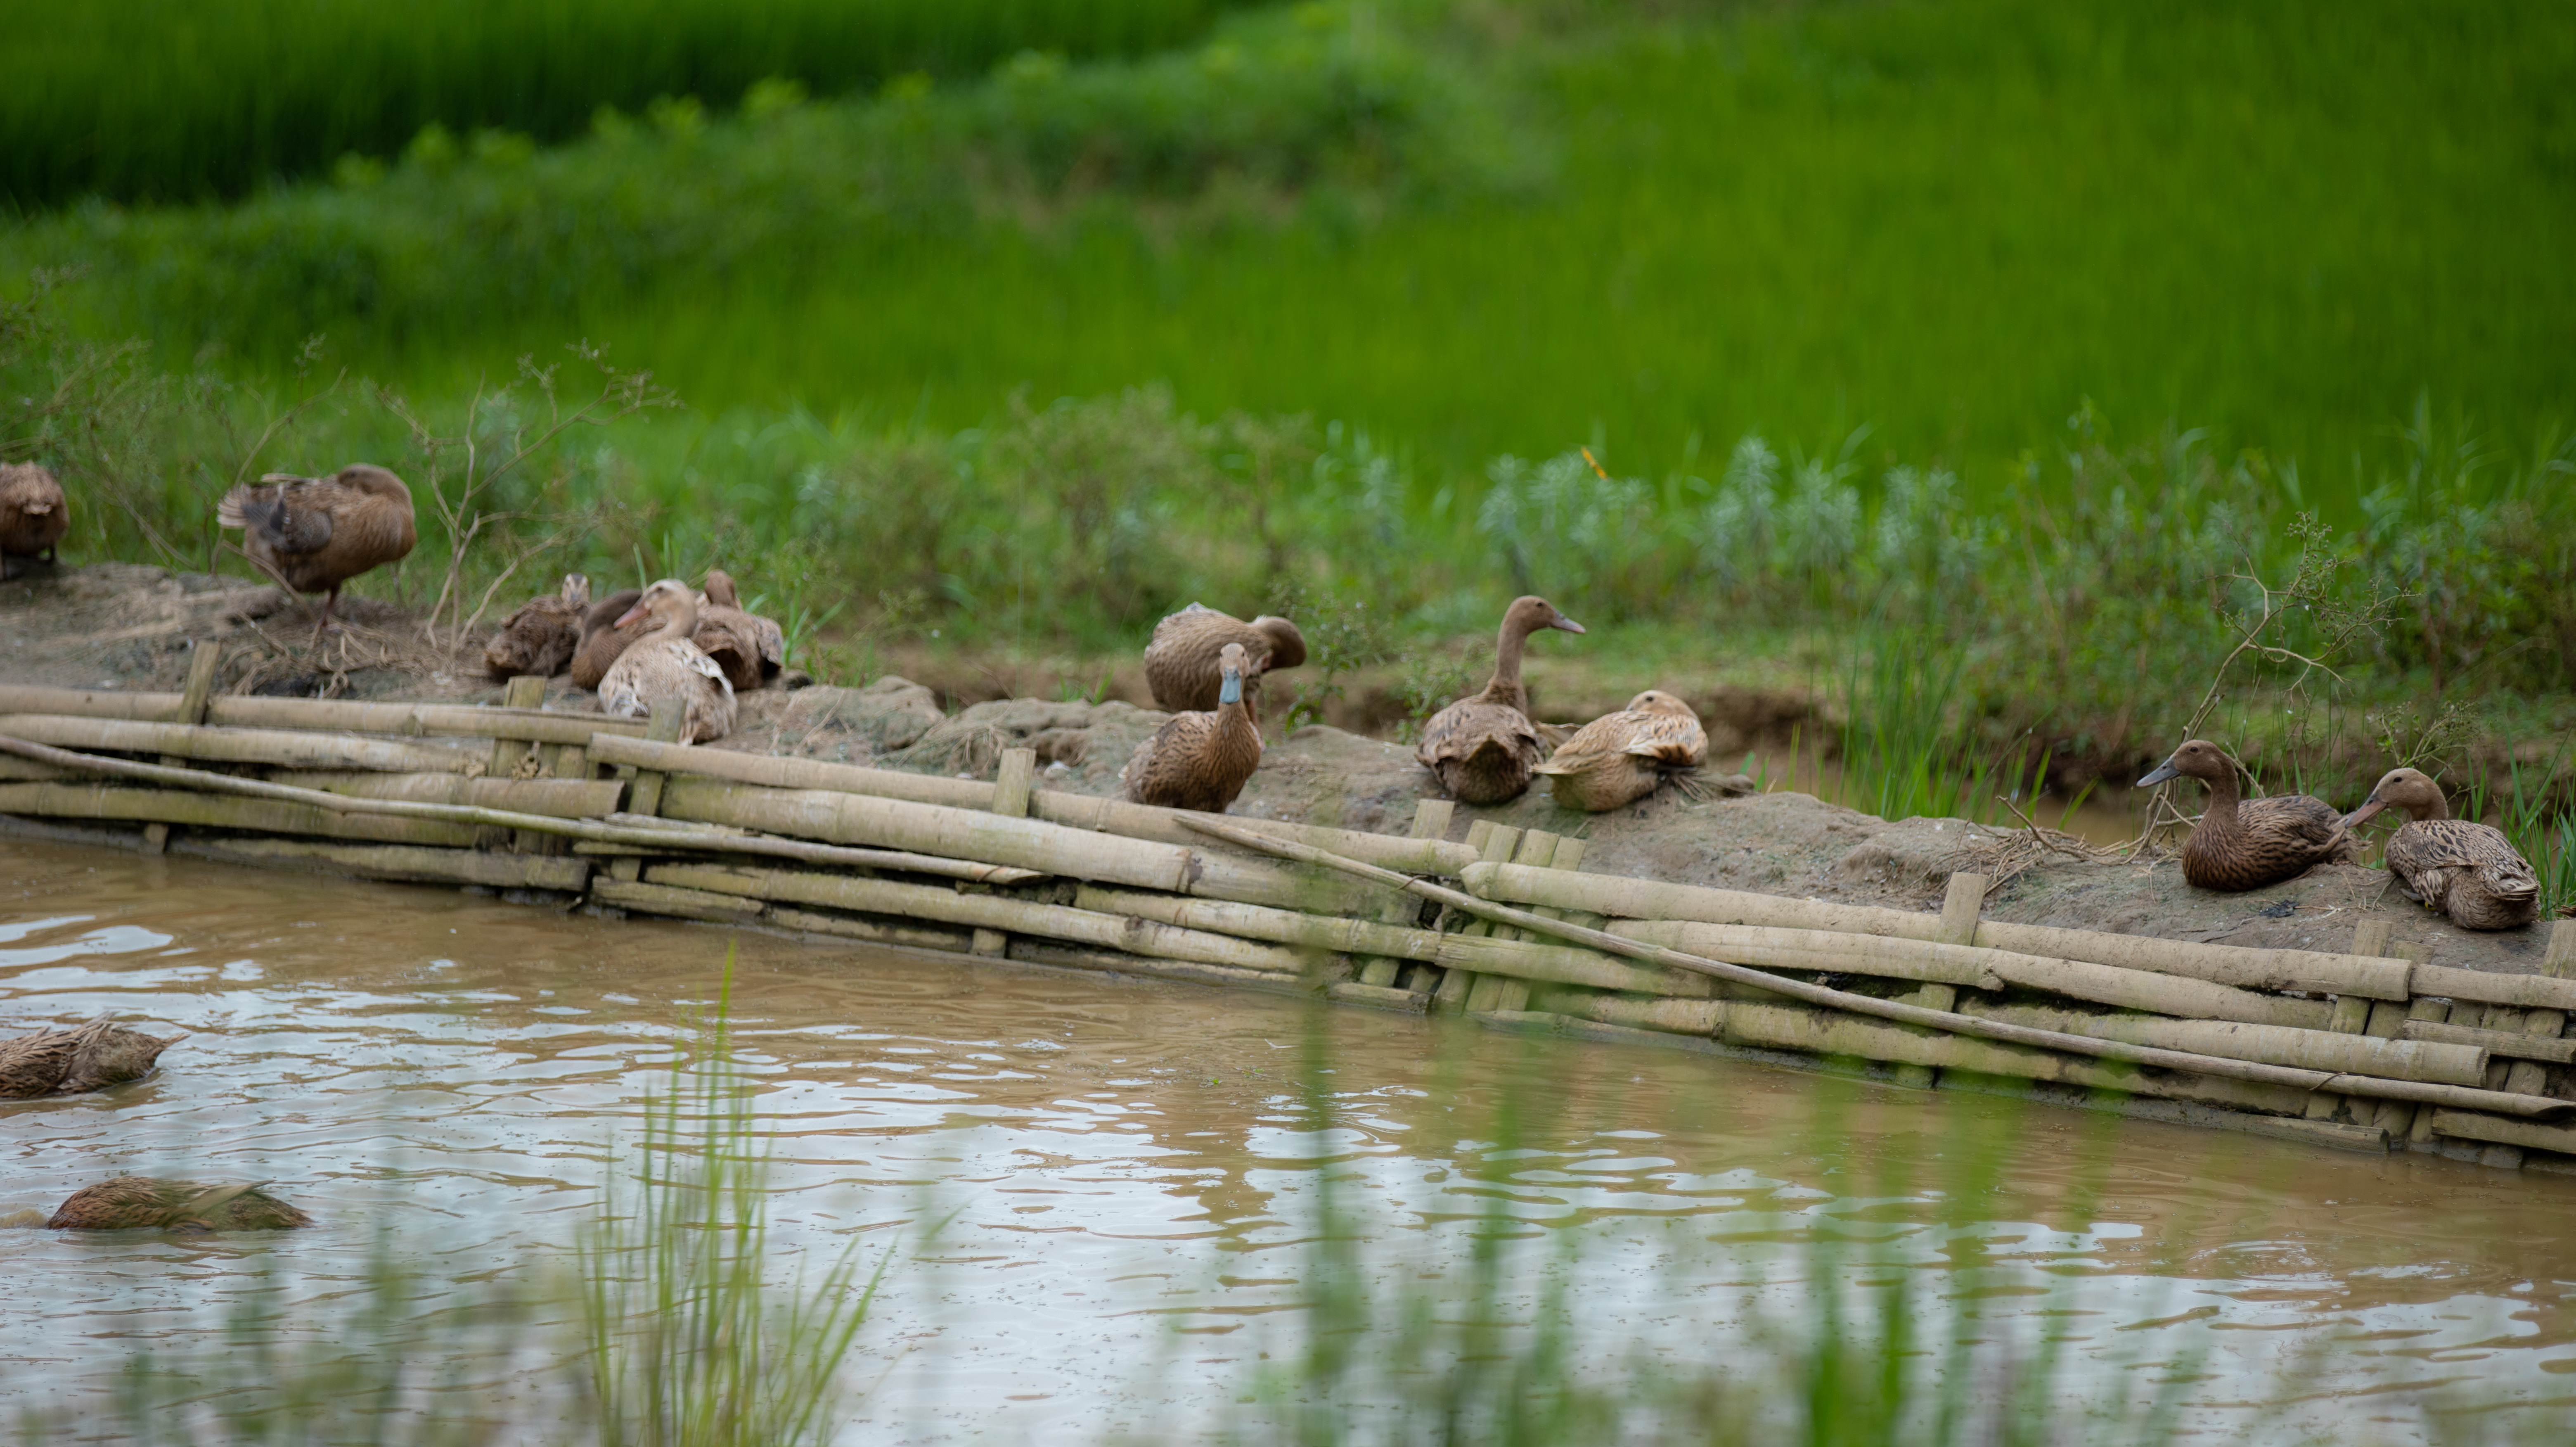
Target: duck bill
(2163, 771)
(630, 615)
(1568, 624)
(2368, 811)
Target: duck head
(576, 589)
(1530, 613)
(2410, 790)
(668, 601)
(1655, 700)
(2196, 759)
(1287, 645)
(1230, 662)
(720, 590)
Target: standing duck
(1619, 758)
(1200, 760)
(315, 533)
(541, 636)
(665, 664)
(2469, 871)
(2249, 844)
(602, 639)
(131, 1202)
(749, 648)
(1483, 747)
(34, 515)
(1181, 662)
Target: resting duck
(34, 515)
(1200, 760)
(665, 664)
(131, 1202)
(315, 533)
(71, 1062)
(749, 648)
(1181, 661)
(1483, 747)
(2249, 844)
(1619, 758)
(541, 636)
(2470, 872)
(602, 639)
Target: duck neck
(2224, 795)
(1505, 686)
(679, 623)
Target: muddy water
(1129, 1173)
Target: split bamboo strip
(1647, 899)
(1073, 811)
(399, 862)
(1074, 957)
(556, 798)
(883, 932)
(339, 715)
(215, 811)
(2469, 1125)
(983, 911)
(235, 746)
(2337, 1054)
(2521, 1105)
(397, 809)
(698, 904)
(991, 838)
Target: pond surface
(1128, 1173)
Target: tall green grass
(176, 100)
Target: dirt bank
(123, 626)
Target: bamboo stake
(2522, 1105)
(2266, 969)
(1011, 782)
(982, 911)
(202, 663)
(339, 804)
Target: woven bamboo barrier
(1647, 899)
(122, 804)
(282, 747)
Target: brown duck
(2468, 871)
(315, 533)
(749, 648)
(667, 664)
(71, 1062)
(602, 639)
(34, 515)
(1484, 746)
(1181, 662)
(140, 1202)
(2243, 844)
(1200, 760)
(541, 636)
(1619, 758)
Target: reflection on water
(1134, 1173)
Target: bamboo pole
(2438, 1062)
(338, 805)
(2295, 1077)
(883, 932)
(1646, 899)
(982, 911)
(1073, 811)
(277, 747)
(645, 897)
(1075, 957)
(216, 811)
(2512, 1044)
(556, 798)
(409, 863)
(2541, 991)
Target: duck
(666, 664)
(1620, 757)
(313, 534)
(541, 636)
(749, 648)
(602, 640)
(1181, 661)
(1483, 747)
(34, 515)
(2467, 870)
(2247, 844)
(1200, 759)
(143, 1202)
(75, 1061)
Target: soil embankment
(123, 626)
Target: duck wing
(1673, 743)
(1182, 668)
(2458, 844)
(2295, 818)
(1458, 731)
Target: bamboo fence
(2369, 1048)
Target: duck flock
(698, 648)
